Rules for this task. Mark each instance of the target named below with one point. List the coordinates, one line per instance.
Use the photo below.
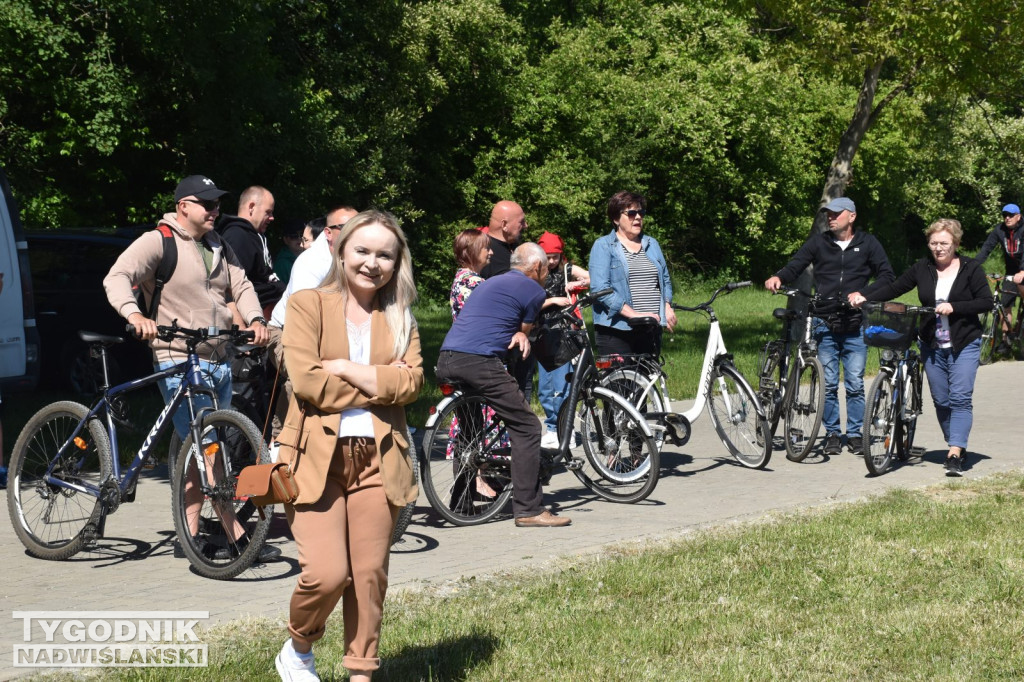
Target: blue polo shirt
(493, 314)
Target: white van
(19, 339)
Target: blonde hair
(395, 297)
(946, 225)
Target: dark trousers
(612, 341)
(487, 377)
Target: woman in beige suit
(353, 352)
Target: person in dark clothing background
(246, 235)
(844, 262)
(1010, 235)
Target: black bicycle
(894, 400)
(66, 476)
(791, 381)
(602, 439)
(1000, 329)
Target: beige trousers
(344, 541)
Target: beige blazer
(305, 344)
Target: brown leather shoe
(543, 520)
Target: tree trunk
(839, 172)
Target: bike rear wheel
(770, 383)
(732, 405)
(991, 336)
(805, 406)
(50, 520)
(465, 465)
(205, 521)
(609, 451)
(882, 425)
(405, 515)
(640, 390)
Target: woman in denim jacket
(632, 264)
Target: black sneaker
(833, 446)
(267, 552)
(954, 467)
(856, 445)
(1003, 348)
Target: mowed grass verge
(924, 585)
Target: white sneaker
(291, 668)
(275, 451)
(549, 440)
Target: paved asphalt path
(133, 567)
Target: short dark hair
(620, 201)
(292, 227)
(317, 225)
(466, 244)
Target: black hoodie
(250, 248)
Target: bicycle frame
(191, 384)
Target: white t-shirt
(308, 270)
(942, 289)
(356, 421)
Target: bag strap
(164, 271)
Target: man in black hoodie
(844, 262)
(245, 233)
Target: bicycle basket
(890, 325)
(557, 343)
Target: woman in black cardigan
(951, 341)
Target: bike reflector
(446, 389)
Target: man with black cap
(1009, 234)
(206, 277)
(844, 262)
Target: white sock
(296, 656)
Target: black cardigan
(969, 296)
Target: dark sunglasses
(1009, 215)
(207, 204)
(634, 212)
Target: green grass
(923, 585)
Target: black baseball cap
(199, 186)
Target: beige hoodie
(193, 297)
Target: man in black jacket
(1010, 235)
(245, 233)
(844, 262)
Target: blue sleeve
(655, 254)
(599, 266)
(534, 306)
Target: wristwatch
(262, 320)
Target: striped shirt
(644, 284)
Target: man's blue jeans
(851, 351)
(951, 381)
(215, 373)
(552, 389)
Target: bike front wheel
(466, 462)
(52, 520)
(805, 406)
(882, 425)
(732, 405)
(220, 535)
(991, 336)
(610, 452)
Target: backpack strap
(164, 271)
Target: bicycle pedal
(574, 464)
(918, 451)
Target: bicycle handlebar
(896, 307)
(582, 302)
(194, 336)
(996, 277)
(726, 289)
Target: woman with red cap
(553, 385)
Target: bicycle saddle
(785, 314)
(643, 321)
(103, 339)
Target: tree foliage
(727, 116)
